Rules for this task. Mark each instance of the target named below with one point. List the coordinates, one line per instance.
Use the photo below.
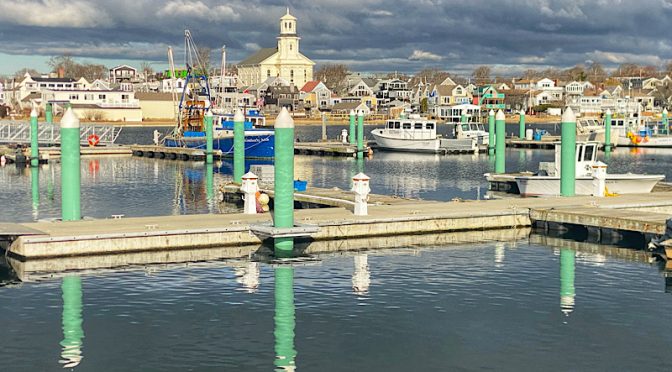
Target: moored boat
(417, 134)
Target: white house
(122, 73)
(576, 88)
(167, 85)
(362, 88)
(106, 105)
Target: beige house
(284, 61)
(156, 106)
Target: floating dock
(174, 233)
(172, 153)
(329, 148)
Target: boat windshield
(406, 126)
(429, 125)
(417, 126)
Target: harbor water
(526, 304)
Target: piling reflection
(71, 354)
(247, 275)
(285, 321)
(567, 294)
(35, 191)
(500, 254)
(210, 186)
(361, 276)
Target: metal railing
(50, 134)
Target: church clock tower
(288, 41)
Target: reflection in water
(210, 187)
(284, 319)
(50, 182)
(361, 276)
(248, 276)
(567, 294)
(72, 322)
(500, 253)
(35, 190)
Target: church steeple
(288, 41)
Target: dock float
(172, 233)
(331, 148)
(172, 153)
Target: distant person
(157, 136)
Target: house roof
(258, 57)
(309, 86)
(445, 90)
(31, 97)
(347, 105)
(53, 80)
(152, 96)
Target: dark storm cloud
(368, 35)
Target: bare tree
(23, 71)
(204, 54)
(596, 73)
(146, 69)
(481, 74)
(430, 75)
(332, 75)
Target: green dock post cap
(491, 113)
(284, 119)
(238, 117)
(568, 116)
(500, 115)
(70, 119)
(360, 113)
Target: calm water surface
(492, 306)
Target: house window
(101, 96)
(268, 73)
(291, 76)
(74, 97)
(88, 97)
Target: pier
(42, 240)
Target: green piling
(491, 132)
(48, 113)
(70, 167)
(607, 131)
(521, 125)
(285, 321)
(666, 121)
(210, 185)
(568, 153)
(283, 216)
(567, 291)
(360, 134)
(351, 133)
(34, 143)
(463, 116)
(207, 121)
(72, 321)
(239, 146)
(500, 142)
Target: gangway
(50, 134)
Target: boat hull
(615, 183)
(257, 144)
(412, 145)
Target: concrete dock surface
(169, 233)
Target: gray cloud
(374, 35)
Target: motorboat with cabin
(546, 181)
(415, 133)
(472, 130)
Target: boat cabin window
(406, 125)
(579, 153)
(429, 125)
(588, 155)
(465, 127)
(397, 125)
(390, 124)
(417, 126)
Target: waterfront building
(98, 105)
(576, 88)
(284, 61)
(392, 89)
(156, 106)
(489, 98)
(121, 73)
(363, 87)
(315, 96)
(344, 108)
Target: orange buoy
(93, 140)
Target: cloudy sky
(367, 35)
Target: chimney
(61, 72)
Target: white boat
(546, 181)
(472, 130)
(418, 134)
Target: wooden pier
(329, 148)
(402, 218)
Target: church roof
(258, 57)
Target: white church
(284, 61)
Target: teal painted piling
(352, 133)
(70, 167)
(239, 147)
(567, 271)
(48, 114)
(521, 125)
(34, 143)
(283, 215)
(73, 333)
(207, 122)
(491, 132)
(463, 116)
(568, 153)
(284, 319)
(607, 131)
(360, 135)
(500, 142)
